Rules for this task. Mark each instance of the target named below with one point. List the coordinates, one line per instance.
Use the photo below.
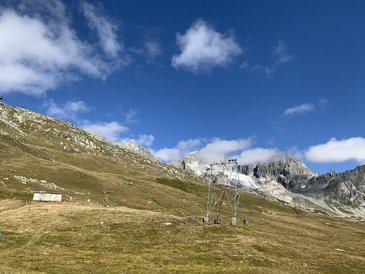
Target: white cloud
(203, 48)
(145, 140)
(219, 149)
(299, 109)
(105, 29)
(304, 108)
(69, 110)
(39, 50)
(338, 151)
(215, 150)
(183, 147)
(258, 155)
(111, 131)
(280, 53)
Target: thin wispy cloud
(268, 71)
(203, 48)
(335, 151)
(152, 49)
(131, 116)
(305, 108)
(299, 109)
(39, 49)
(104, 27)
(280, 55)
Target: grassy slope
(61, 238)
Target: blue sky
(249, 79)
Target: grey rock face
(345, 188)
(282, 170)
(133, 146)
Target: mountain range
(288, 179)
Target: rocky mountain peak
(133, 146)
(288, 167)
(191, 162)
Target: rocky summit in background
(347, 187)
(288, 179)
(281, 170)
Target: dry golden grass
(69, 238)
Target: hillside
(39, 153)
(149, 220)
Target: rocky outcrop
(347, 188)
(133, 146)
(193, 163)
(282, 171)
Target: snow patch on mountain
(218, 173)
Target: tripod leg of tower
(235, 204)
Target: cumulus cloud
(39, 49)
(111, 131)
(219, 149)
(70, 110)
(145, 140)
(183, 147)
(258, 155)
(210, 151)
(203, 48)
(338, 151)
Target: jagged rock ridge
(290, 180)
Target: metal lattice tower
(215, 199)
